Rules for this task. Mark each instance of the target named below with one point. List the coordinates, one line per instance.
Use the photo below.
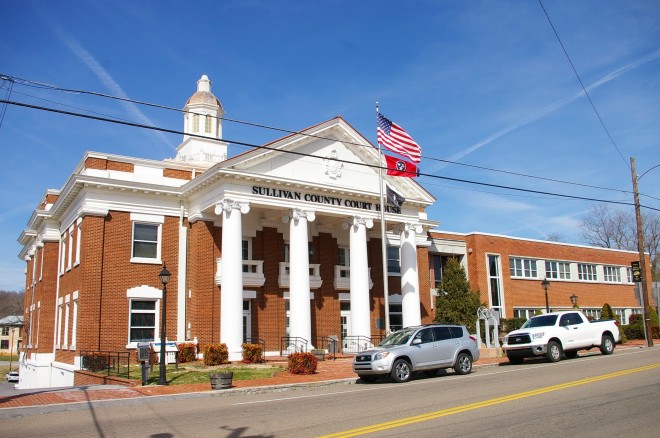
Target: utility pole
(642, 258)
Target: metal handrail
(355, 344)
(329, 344)
(289, 345)
(108, 362)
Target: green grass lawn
(6, 358)
(187, 373)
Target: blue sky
(484, 83)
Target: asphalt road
(588, 396)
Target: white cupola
(202, 126)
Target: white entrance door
(345, 316)
(247, 320)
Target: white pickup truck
(558, 334)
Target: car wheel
(515, 360)
(401, 371)
(607, 345)
(554, 352)
(571, 354)
(368, 378)
(463, 364)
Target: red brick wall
(177, 173)
(85, 378)
(204, 303)
(120, 166)
(523, 292)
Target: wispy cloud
(111, 85)
(553, 107)
(105, 77)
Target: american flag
(396, 139)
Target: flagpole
(386, 293)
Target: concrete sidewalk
(328, 372)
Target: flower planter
(221, 380)
(320, 354)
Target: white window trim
(74, 331)
(67, 310)
(149, 219)
(390, 273)
(532, 276)
(144, 293)
(41, 265)
(78, 239)
(59, 323)
(69, 259)
(63, 254)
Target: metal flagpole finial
(377, 110)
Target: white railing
(253, 273)
(342, 280)
(314, 275)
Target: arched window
(207, 123)
(195, 123)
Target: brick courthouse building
(264, 245)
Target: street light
(574, 299)
(546, 284)
(164, 278)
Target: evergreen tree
(606, 312)
(456, 302)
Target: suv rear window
(443, 332)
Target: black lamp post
(574, 299)
(164, 278)
(546, 284)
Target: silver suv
(425, 348)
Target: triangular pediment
(330, 155)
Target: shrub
(633, 331)
(216, 354)
(252, 353)
(187, 352)
(511, 324)
(636, 319)
(302, 363)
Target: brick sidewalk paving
(327, 371)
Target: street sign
(636, 272)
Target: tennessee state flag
(399, 167)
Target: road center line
(485, 403)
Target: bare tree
(606, 227)
(11, 303)
(555, 237)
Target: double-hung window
(558, 270)
(522, 268)
(147, 238)
(143, 320)
(587, 272)
(612, 274)
(393, 260)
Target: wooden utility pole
(642, 258)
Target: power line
(582, 84)
(172, 131)
(41, 85)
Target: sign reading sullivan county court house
(321, 199)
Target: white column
(300, 319)
(231, 296)
(359, 278)
(410, 305)
(182, 283)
